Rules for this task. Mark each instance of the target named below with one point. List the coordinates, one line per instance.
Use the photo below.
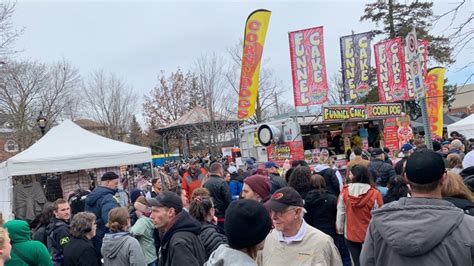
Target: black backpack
(77, 201)
(53, 246)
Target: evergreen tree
(135, 135)
(152, 139)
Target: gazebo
(200, 132)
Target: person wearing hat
(99, 202)
(423, 229)
(275, 179)
(219, 190)
(236, 181)
(134, 195)
(180, 244)
(256, 187)
(193, 177)
(383, 170)
(143, 229)
(294, 241)
(247, 224)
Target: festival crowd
(416, 209)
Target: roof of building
(88, 124)
(464, 97)
(197, 115)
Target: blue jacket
(100, 201)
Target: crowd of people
(416, 209)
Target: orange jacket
(189, 184)
(354, 207)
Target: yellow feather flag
(434, 82)
(254, 39)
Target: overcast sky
(138, 39)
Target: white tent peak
(464, 126)
(69, 147)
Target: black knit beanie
(247, 223)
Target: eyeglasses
(279, 214)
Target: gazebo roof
(193, 117)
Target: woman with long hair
(80, 251)
(211, 236)
(44, 219)
(397, 188)
(455, 191)
(118, 247)
(356, 201)
(454, 163)
(300, 180)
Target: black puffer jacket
(322, 211)
(211, 237)
(180, 245)
(383, 170)
(220, 193)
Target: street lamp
(41, 121)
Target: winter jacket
(122, 249)
(321, 211)
(419, 231)
(226, 256)
(220, 193)
(180, 244)
(41, 235)
(383, 170)
(315, 248)
(236, 184)
(330, 177)
(81, 252)
(57, 237)
(100, 201)
(192, 180)
(354, 207)
(34, 251)
(211, 237)
(143, 232)
(277, 182)
(463, 204)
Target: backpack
(53, 246)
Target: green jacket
(142, 230)
(33, 251)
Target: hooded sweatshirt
(180, 244)
(122, 249)
(419, 231)
(226, 256)
(143, 232)
(354, 207)
(33, 251)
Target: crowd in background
(415, 209)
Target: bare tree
(268, 86)
(31, 87)
(460, 30)
(110, 102)
(170, 98)
(336, 89)
(8, 33)
(211, 85)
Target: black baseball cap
(283, 198)
(166, 199)
(377, 151)
(425, 166)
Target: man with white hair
(294, 242)
(457, 147)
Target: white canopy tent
(66, 147)
(464, 126)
